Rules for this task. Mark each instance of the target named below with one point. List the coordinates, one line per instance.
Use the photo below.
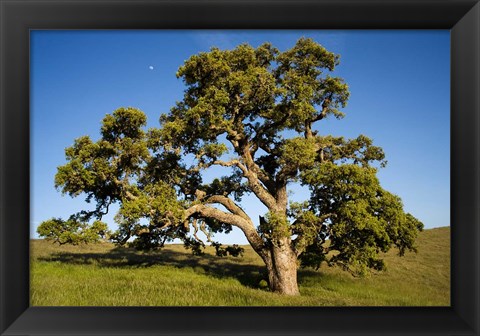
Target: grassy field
(102, 275)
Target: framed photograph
(428, 51)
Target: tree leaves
(72, 231)
(367, 219)
(123, 123)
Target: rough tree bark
(282, 268)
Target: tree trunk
(282, 269)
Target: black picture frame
(18, 17)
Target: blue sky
(399, 84)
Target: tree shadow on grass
(218, 267)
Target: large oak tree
(256, 112)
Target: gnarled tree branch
(253, 181)
(229, 204)
(246, 225)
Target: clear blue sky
(400, 97)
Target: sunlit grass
(102, 275)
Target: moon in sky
(151, 67)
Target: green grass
(102, 275)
